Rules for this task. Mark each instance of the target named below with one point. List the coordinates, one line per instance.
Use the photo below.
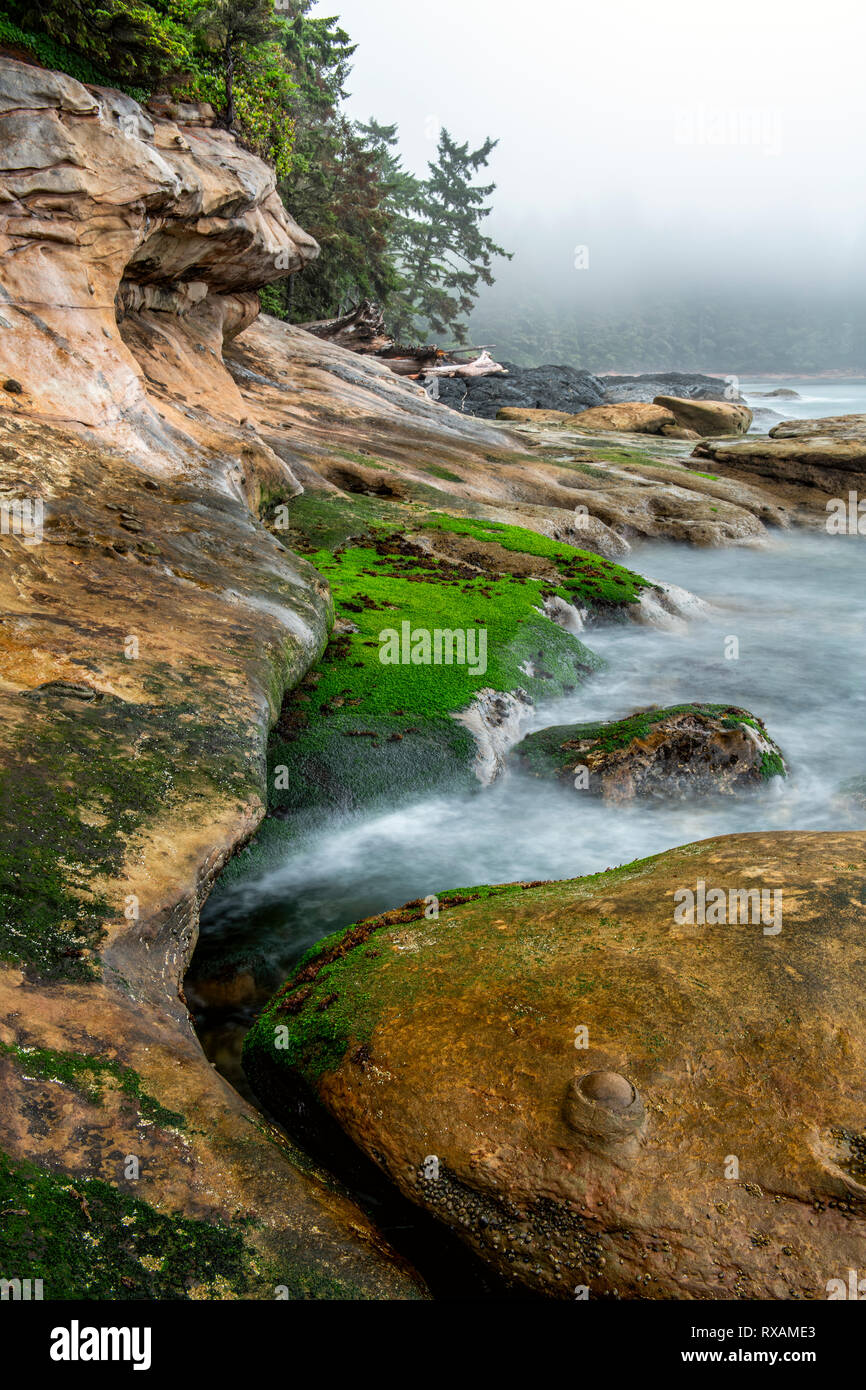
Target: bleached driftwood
(483, 365)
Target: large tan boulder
(632, 417)
(640, 1084)
(629, 417)
(707, 417)
(522, 415)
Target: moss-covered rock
(597, 1088)
(432, 611)
(684, 750)
(86, 1239)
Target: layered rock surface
(150, 624)
(822, 457)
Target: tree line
(277, 78)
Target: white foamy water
(798, 610)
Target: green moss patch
(361, 730)
(87, 773)
(90, 1076)
(86, 1239)
(587, 578)
(547, 751)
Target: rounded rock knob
(604, 1105)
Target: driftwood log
(363, 330)
(483, 365)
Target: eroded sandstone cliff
(150, 625)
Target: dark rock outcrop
(534, 388)
(685, 385)
(569, 389)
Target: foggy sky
(674, 139)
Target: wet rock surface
(688, 751)
(597, 1093)
(535, 388)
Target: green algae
(86, 1239)
(437, 471)
(542, 752)
(87, 776)
(89, 1240)
(89, 1077)
(359, 730)
(587, 577)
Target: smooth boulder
(708, 417)
(608, 1087)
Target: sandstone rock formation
(101, 202)
(820, 458)
(344, 421)
(150, 623)
(642, 1084)
(707, 417)
(630, 417)
(689, 750)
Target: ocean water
(819, 397)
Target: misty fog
(674, 153)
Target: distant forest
(732, 333)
